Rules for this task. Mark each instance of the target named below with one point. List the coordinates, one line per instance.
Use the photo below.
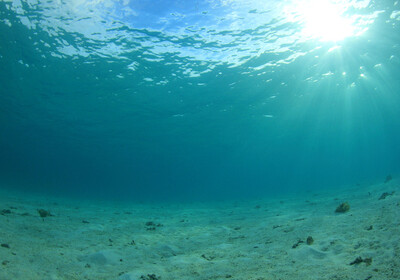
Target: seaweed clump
(44, 213)
(5, 212)
(150, 277)
(295, 245)
(310, 240)
(385, 194)
(5, 245)
(152, 226)
(359, 260)
(343, 208)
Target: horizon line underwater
(206, 139)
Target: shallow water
(157, 140)
(202, 100)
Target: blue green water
(197, 99)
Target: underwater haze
(208, 99)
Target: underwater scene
(200, 139)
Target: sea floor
(288, 237)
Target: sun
(323, 19)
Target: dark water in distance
(197, 99)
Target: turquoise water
(197, 99)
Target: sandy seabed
(265, 239)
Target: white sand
(231, 240)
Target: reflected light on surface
(323, 19)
